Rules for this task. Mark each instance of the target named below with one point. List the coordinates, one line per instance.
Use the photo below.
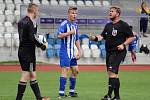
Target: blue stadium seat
(102, 42)
(93, 42)
(48, 36)
(50, 39)
(50, 51)
(55, 36)
(103, 51)
(57, 49)
(57, 41)
(82, 36)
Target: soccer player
(27, 28)
(117, 35)
(68, 33)
(132, 45)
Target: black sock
(117, 86)
(111, 86)
(21, 90)
(35, 87)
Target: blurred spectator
(101, 1)
(145, 12)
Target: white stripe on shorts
(31, 67)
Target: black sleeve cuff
(96, 38)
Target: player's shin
(110, 87)
(35, 87)
(21, 90)
(116, 89)
(72, 85)
(62, 83)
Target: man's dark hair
(118, 10)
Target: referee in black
(117, 35)
(27, 29)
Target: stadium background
(91, 19)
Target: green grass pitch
(90, 85)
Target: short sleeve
(127, 30)
(62, 28)
(103, 34)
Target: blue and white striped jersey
(68, 43)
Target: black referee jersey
(116, 34)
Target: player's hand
(121, 47)
(78, 55)
(133, 56)
(92, 38)
(71, 32)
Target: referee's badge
(114, 32)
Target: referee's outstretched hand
(92, 37)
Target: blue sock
(62, 85)
(72, 85)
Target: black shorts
(27, 62)
(113, 60)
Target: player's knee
(64, 74)
(25, 77)
(75, 73)
(112, 74)
(33, 76)
(64, 71)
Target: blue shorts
(66, 62)
(132, 45)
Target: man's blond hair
(31, 7)
(72, 8)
